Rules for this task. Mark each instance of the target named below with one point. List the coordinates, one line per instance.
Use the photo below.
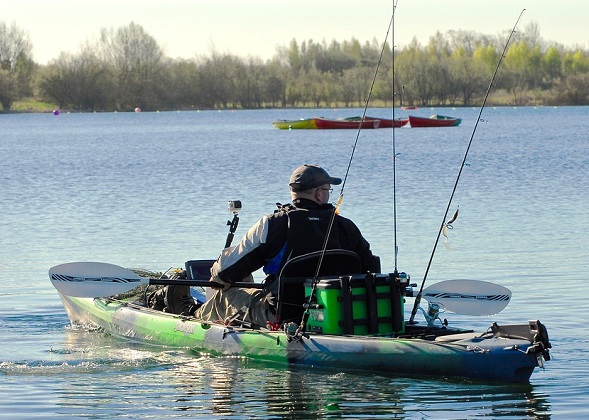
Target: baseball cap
(310, 176)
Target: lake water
(150, 190)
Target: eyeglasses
(325, 189)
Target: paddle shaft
(95, 279)
(202, 283)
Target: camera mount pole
(234, 207)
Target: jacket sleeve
(262, 242)
(237, 262)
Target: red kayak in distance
(349, 123)
(354, 122)
(434, 121)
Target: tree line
(125, 68)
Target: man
(291, 231)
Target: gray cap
(310, 176)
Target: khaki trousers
(249, 304)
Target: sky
(191, 28)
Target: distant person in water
(292, 230)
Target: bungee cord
(462, 165)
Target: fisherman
(292, 230)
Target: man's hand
(219, 284)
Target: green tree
(126, 68)
(468, 75)
(552, 64)
(576, 62)
(383, 86)
(415, 68)
(487, 57)
(522, 68)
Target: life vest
(307, 229)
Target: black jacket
(290, 231)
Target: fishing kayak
(506, 353)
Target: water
(150, 190)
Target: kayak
(497, 355)
(346, 123)
(302, 124)
(383, 122)
(356, 338)
(434, 121)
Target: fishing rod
(462, 165)
(301, 328)
(395, 247)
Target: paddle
(468, 297)
(95, 279)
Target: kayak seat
(199, 269)
(292, 277)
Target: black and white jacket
(290, 231)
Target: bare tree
(16, 65)
(138, 63)
(80, 81)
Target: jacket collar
(305, 203)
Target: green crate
(326, 316)
(327, 313)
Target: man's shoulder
(284, 208)
(348, 223)
(281, 213)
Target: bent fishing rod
(462, 165)
(301, 328)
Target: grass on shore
(498, 98)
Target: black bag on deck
(173, 299)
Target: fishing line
(462, 165)
(340, 199)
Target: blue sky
(187, 28)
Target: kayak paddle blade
(468, 297)
(93, 279)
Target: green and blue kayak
(502, 353)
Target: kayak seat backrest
(198, 269)
(292, 277)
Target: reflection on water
(101, 376)
(232, 388)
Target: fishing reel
(433, 313)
